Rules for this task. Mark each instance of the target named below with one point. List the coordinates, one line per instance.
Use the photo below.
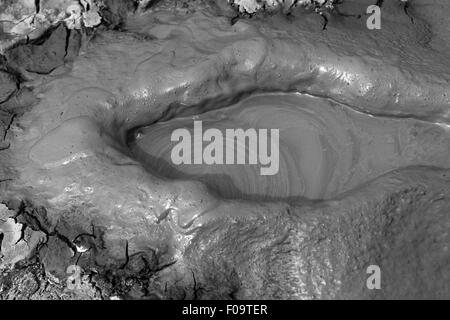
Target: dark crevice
(151, 4)
(67, 43)
(164, 266)
(127, 256)
(10, 96)
(8, 127)
(117, 280)
(37, 4)
(2, 236)
(13, 72)
(22, 234)
(196, 289)
(31, 221)
(43, 55)
(234, 20)
(406, 7)
(43, 38)
(65, 240)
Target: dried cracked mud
(88, 188)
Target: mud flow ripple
(246, 150)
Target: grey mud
(364, 120)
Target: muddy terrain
(94, 207)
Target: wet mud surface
(87, 182)
(325, 148)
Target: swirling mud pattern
(226, 150)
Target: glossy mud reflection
(325, 148)
(349, 103)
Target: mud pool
(364, 154)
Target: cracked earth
(86, 112)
